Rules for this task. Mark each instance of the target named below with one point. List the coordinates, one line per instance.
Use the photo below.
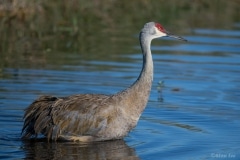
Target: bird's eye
(160, 27)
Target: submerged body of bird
(96, 117)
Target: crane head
(160, 31)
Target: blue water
(194, 115)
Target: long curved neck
(136, 96)
(144, 81)
(147, 69)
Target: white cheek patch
(159, 33)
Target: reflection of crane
(108, 150)
(96, 117)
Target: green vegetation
(34, 33)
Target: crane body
(96, 117)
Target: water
(195, 115)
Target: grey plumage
(95, 117)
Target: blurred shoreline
(32, 30)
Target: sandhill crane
(96, 117)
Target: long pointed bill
(175, 36)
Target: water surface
(194, 115)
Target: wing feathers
(70, 116)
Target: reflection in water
(175, 124)
(41, 149)
(196, 85)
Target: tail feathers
(37, 117)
